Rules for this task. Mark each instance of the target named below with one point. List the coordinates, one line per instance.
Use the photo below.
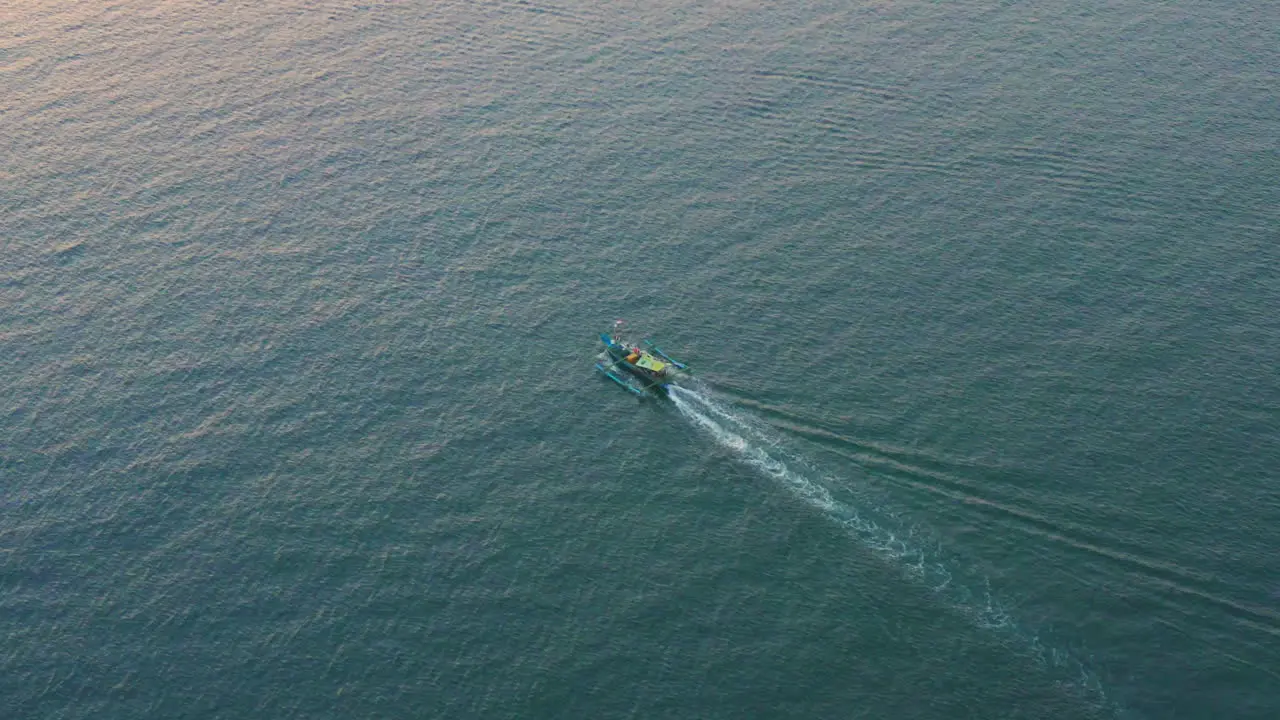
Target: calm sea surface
(299, 303)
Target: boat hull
(615, 357)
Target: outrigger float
(638, 369)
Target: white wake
(758, 446)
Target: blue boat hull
(617, 354)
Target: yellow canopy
(648, 362)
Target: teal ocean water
(298, 417)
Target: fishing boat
(640, 368)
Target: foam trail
(738, 433)
(880, 531)
(816, 495)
